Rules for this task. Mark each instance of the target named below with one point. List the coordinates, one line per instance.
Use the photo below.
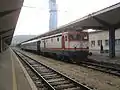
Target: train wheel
(54, 55)
(71, 60)
(62, 57)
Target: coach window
(99, 42)
(58, 39)
(51, 39)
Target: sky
(34, 16)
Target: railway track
(101, 66)
(46, 78)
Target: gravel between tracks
(94, 79)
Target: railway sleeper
(46, 73)
(59, 83)
(41, 67)
(51, 77)
(65, 86)
(56, 79)
(43, 70)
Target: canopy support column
(0, 43)
(112, 43)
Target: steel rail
(50, 87)
(100, 67)
(82, 87)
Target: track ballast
(47, 78)
(102, 66)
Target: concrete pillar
(111, 43)
(0, 44)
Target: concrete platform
(105, 58)
(12, 76)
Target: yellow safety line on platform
(14, 76)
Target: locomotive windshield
(73, 37)
(78, 36)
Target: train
(69, 45)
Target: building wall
(94, 44)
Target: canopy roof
(9, 12)
(102, 20)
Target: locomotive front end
(78, 45)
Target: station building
(98, 38)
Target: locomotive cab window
(78, 36)
(73, 37)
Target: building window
(99, 42)
(92, 43)
(117, 41)
(106, 42)
(58, 39)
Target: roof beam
(116, 26)
(9, 36)
(104, 23)
(94, 27)
(5, 31)
(4, 13)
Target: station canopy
(104, 19)
(9, 12)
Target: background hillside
(20, 38)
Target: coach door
(44, 44)
(38, 46)
(63, 42)
(66, 41)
